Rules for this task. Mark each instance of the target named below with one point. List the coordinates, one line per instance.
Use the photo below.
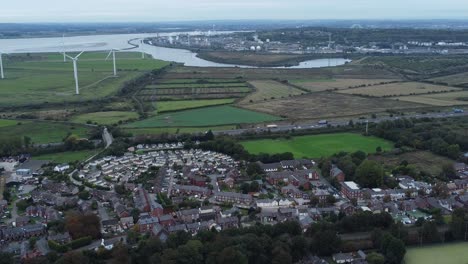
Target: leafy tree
(370, 174)
(253, 169)
(231, 255)
(83, 225)
(375, 258)
(459, 223)
(325, 243)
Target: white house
(61, 167)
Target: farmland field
(167, 106)
(455, 79)
(40, 78)
(450, 253)
(316, 146)
(42, 132)
(182, 89)
(443, 99)
(267, 89)
(328, 105)
(399, 89)
(318, 85)
(66, 157)
(208, 116)
(341, 72)
(105, 118)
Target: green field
(66, 157)
(6, 122)
(175, 130)
(42, 132)
(105, 118)
(202, 117)
(173, 81)
(167, 106)
(316, 146)
(455, 253)
(41, 78)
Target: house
(61, 238)
(126, 222)
(167, 220)
(22, 221)
(61, 167)
(336, 173)
(177, 228)
(231, 197)
(228, 222)
(146, 222)
(189, 215)
(340, 258)
(266, 203)
(110, 225)
(351, 190)
(160, 232)
(270, 167)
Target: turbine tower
(112, 51)
(2, 75)
(75, 70)
(63, 46)
(142, 49)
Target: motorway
(309, 125)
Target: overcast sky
(181, 10)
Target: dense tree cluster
(83, 225)
(438, 136)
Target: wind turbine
(2, 75)
(112, 52)
(75, 70)
(63, 46)
(142, 49)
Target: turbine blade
(70, 57)
(108, 55)
(79, 55)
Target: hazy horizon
(31, 11)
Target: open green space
(452, 253)
(69, 156)
(208, 116)
(105, 118)
(45, 78)
(167, 106)
(6, 122)
(316, 146)
(42, 132)
(175, 130)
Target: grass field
(399, 89)
(443, 99)
(6, 122)
(66, 157)
(316, 146)
(166, 106)
(208, 116)
(267, 89)
(328, 105)
(41, 78)
(185, 81)
(452, 253)
(455, 79)
(175, 130)
(318, 85)
(43, 132)
(105, 118)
